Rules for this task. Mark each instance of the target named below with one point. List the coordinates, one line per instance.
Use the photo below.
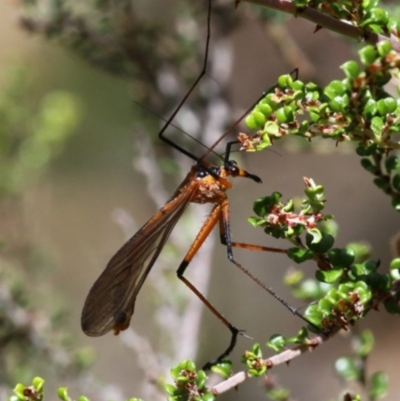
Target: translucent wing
(110, 302)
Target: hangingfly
(111, 301)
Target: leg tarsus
(235, 332)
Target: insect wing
(110, 302)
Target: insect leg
(225, 237)
(209, 224)
(181, 103)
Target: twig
(284, 357)
(326, 21)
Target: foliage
(356, 109)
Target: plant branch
(326, 21)
(283, 357)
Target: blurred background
(82, 170)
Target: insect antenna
(294, 73)
(178, 129)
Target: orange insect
(111, 301)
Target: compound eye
(201, 173)
(233, 168)
(215, 170)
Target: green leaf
(278, 394)
(266, 143)
(369, 110)
(300, 338)
(392, 306)
(379, 282)
(396, 182)
(255, 221)
(364, 295)
(289, 207)
(361, 250)
(293, 277)
(277, 342)
(395, 269)
(341, 257)
(347, 369)
(262, 206)
(395, 264)
(392, 163)
(300, 3)
(369, 4)
(329, 276)
(346, 287)
(368, 55)
(170, 389)
(326, 305)
(339, 103)
(285, 115)
(177, 369)
(334, 89)
(201, 379)
(314, 192)
(19, 391)
(252, 120)
(62, 393)
(310, 289)
(304, 127)
(259, 118)
(380, 17)
(351, 69)
(386, 106)
(382, 183)
(253, 360)
(299, 255)
(363, 343)
(38, 383)
(366, 268)
(366, 150)
(314, 316)
(329, 227)
(285, 81)
(378, 386)
(223, 368)
(264, 108)
(396, 202)
(271, 128)
(314, 236)
(369, 166)
(208, 397)
(377, 125)
(298, 86)
(256, 350)
(384, 48)
(325, 241)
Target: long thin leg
(225, 237)
(244, 245)
(202, 73)
(204, 232)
